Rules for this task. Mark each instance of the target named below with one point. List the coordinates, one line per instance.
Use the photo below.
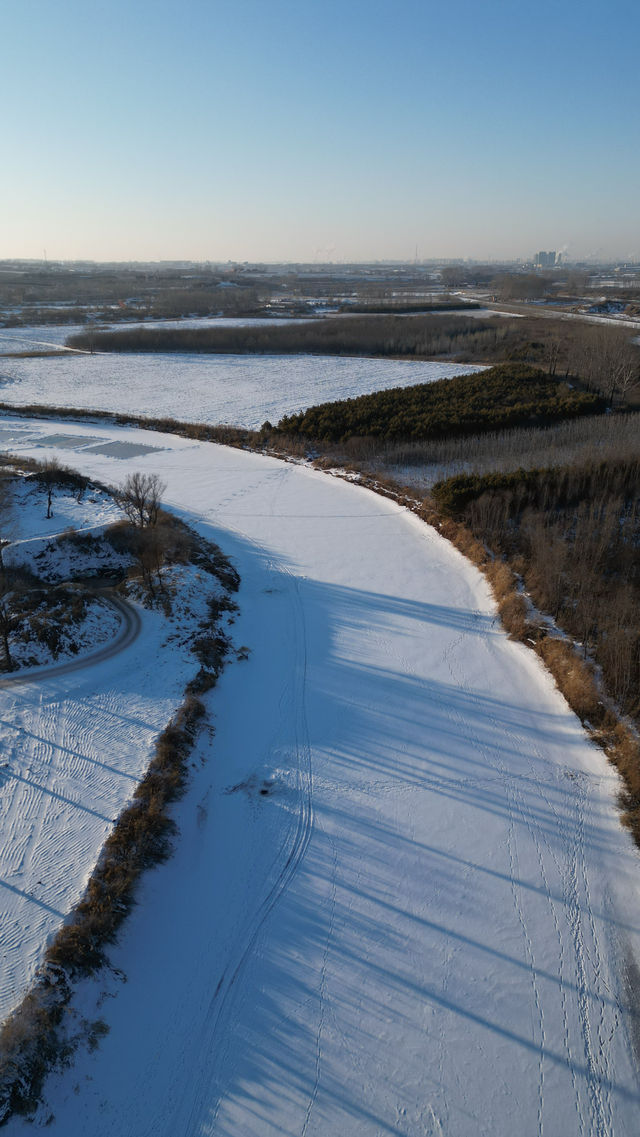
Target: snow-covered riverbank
(424, 923)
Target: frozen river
(429, 924)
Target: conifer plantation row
(511, 394)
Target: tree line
(410, 336)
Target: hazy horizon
(410, 262)
(302, 133)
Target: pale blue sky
(273, 129)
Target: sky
(315, 130)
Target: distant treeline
(510, 394)
(409, 336)
(30, 317)
(375, 307)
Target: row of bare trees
(580, 561)
(606, 360)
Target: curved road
(129, 631)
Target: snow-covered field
(427, 923)
(244, 390)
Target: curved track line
(189, 1123)
(131, 626)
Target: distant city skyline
(298, 132)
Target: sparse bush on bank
(31, 1041)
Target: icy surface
(402, 902)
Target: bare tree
(151, 556)
(577, 281)
(627, 375)
(139, 497)
(50, 474)
(552, 355)
(453, 276)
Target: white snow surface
(424, 925)
(24, 519)
(241, 390)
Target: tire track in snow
(597, 1061)
(529, 950)
(596, 1056)
(533, 832)
(598, 1093)
(187, 1116)
(131, 625)
(322, 993)
(58, 799)
(460, 681)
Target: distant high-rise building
(545, 260)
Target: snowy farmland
(243, 390)
(402, 902)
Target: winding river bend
(401, 902)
